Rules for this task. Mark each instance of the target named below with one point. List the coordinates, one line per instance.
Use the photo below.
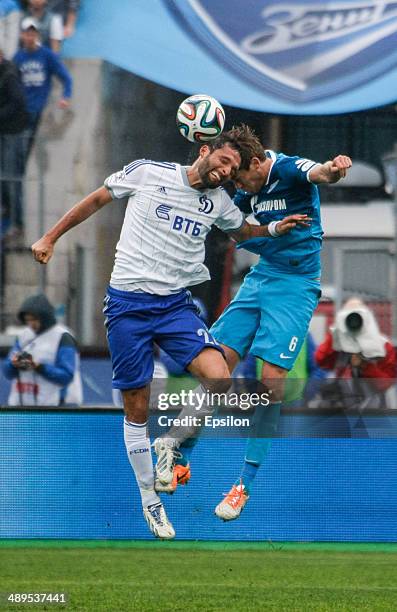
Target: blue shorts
(269, 316)
(135, 321)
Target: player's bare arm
(248, 231)
(331, 171)
(44, 247)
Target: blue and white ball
(200, 118)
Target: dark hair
(244, 140)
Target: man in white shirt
(50, 24)
(160, 252)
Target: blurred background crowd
(31, 36)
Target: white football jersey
(161, 247)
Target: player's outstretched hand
(42, 250)
(340, 165)
(288, 223)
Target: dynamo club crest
(299, 50)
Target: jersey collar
(273, 156)
(184, 176)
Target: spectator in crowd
(13, 115)
(13, 120)
(69, 10)
(44, 364)
(10, 17)
(50, 24)
(38, 65)
(355, 349)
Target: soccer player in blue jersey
(171, 208)
(270, 315)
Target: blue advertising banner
(295, 57)
(66, 475)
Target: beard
(204, 170)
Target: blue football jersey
(287, 191)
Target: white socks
(139, 454)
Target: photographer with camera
(355, 349)
(44, 364)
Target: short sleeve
(230, 218)
(56, 27)
(127, 181)
(299, 168)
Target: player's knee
(273, 371)
(273, 376)
(220, 378)
(136, 402)
(211, 366)
(221, 372)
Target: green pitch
(158, 576)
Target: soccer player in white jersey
(161, 251)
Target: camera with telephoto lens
(354, 322)
(24, 360)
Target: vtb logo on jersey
(162, 212)
(207, 205)
(299, 50)
(178, 223)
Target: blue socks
(186, 448)
(248, 474)
(265, 423)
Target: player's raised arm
(331, 171)
(42, 249)
(274, 229)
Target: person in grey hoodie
(44, 363)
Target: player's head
(217, 163)
(238, 145)
(246, 142)
(251, 175)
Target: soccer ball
(200, 118)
